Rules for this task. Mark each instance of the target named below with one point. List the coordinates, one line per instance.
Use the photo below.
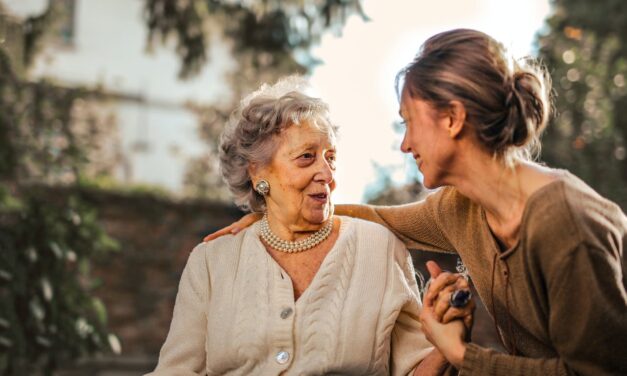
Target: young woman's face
(427, 139)
(301, 176)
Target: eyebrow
(298, 149)
(307, 146)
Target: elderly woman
(302, 291)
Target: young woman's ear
(457, 117)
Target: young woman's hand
(438, 295)
(236, 227)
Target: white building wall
(109, 50)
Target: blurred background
(110, 113)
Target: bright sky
(357, 78)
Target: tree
(585, 49)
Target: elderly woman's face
(301, 176)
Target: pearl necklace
(294, 246)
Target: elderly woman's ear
(259, 183)
(253, 171)
(256, 173)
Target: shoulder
(569, 213)
(446, 199)
(450, 197)
(367, 232)
(451, 207)
(588, 206)
(225, 242)
(220, 250)
(457, 216)
(374, 237)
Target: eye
(331, 160)
(306, 159)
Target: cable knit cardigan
(235, 312)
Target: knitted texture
(358, 316)
(559, 295)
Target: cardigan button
(282, 357)
(286, 313)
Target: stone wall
(139, 282)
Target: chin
(431, 183)
(319, 215)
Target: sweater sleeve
(409, 346)
(183, 353)
(418, 224)
(587, 323)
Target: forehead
(416, 107)
(406, 100)
(307, 134)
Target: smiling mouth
(320, 197)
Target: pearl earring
(262, 187)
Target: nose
(405, 148)
(325, 173)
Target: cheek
(295, 181)
(332, 185)
(417, 135)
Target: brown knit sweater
(558, 296)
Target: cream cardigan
(235, 312)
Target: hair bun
(527, 106)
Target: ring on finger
(460, 298)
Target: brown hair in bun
(507, 102)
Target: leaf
(100, 310)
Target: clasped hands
(446, 326)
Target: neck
(292, 230)
(502, 191)
(494, 186)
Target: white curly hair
(251, 132)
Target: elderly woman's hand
(438, 295)
(236, 227)
(447, 338)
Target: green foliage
(586, 52)
(47, 313)
(270, 30)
